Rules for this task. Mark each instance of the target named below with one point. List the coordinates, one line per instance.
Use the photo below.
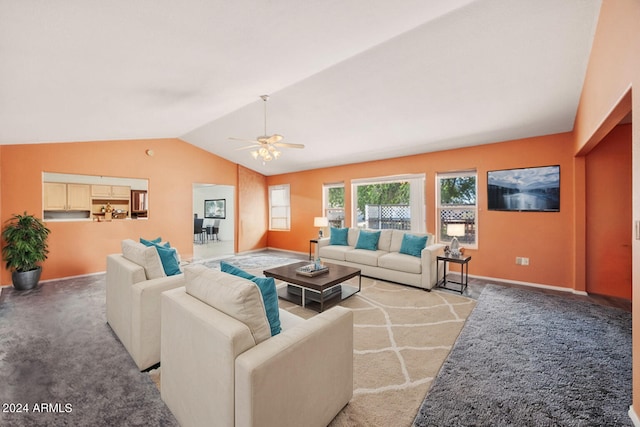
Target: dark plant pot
(25, 280)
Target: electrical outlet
(522, 260)
(525, 261)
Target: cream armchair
(133, 306)
(218, 370)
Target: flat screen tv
(534, 189)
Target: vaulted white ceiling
(353, 80)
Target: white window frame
(417, 199)
(280, 208)
(439, 207)
(325, 201)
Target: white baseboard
(97, 273)
(530, 284)
(634, 417)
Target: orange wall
(253, 217)
(81, 247)
(612, 75)
(608, 207)
(501, 235)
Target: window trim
(452, 174)
(325, 199)
(418, 213)
(287, 207)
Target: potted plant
(25, 238)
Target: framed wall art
(216, 208)
(535, 189)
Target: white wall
(202, 192)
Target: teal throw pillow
(169, 259)
(267, 286)
(368, 240)
(339, 236)
(168, 256)
(232, 269)
(150, 242)
(412, 244)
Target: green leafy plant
(25, 238)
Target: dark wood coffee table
(318, 292)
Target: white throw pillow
(235, 296)
(145, 256)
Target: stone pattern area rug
(60, 361)
(527, 358)
(402, 335)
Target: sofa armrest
(199, 348)
(281, 381)
(121, 275)
(323, 242)
(145, 318)
(428, 261)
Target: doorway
(217, 240)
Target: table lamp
(455, 231)
(320, 222)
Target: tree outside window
(334, 204)
(457, 204)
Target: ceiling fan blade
(288, 145)
(247, 147)
(275, 138)
(244, 140)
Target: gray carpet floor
(527, 358)
(59, 357)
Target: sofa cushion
(368, 240)
(384, 243)
(233, 295)
(269, 292)
(339, 236)
(352, 237)
(336, 252)
(364, 256)
(412, 244)
(168, 255)
(396, 240)
(400, 262)
(289, 320)
(145, 256)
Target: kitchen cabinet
(119, 192)
(66, 197)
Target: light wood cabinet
(120, 192)
(64, 197)
(111, 191)
(78, 197)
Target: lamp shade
(320, 221)
(455, 230)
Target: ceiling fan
(265, 147)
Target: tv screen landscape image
(534, 189)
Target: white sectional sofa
(221, 366)
(135, 282)
(386, 261)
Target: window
(457, 204)
(333, 204)
(279, 209)
(389, 202)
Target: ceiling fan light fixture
(266, 146)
